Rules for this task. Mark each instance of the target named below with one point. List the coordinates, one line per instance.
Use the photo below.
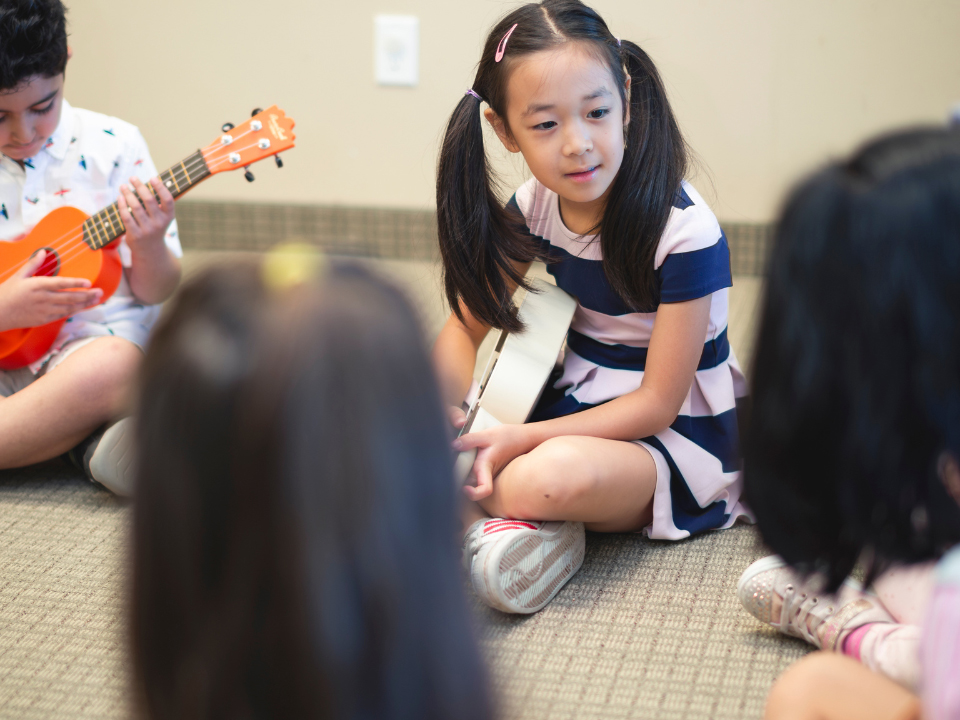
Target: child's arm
(27, 301)
(675, 349)
(455, 354)
(155, 271)
(454, 357)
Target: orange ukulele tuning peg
(227, 126)
(278, 161)
(248, 175)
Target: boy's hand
(145, 218)
(27, 301)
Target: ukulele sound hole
(50, 265)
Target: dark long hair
(479, 238)
(856, 378)
(295, 522)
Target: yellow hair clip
(289, 264)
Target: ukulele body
(60, 233)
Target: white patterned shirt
(83, 165)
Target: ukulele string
(71, 244)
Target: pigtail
(479, 239)
(654, 164)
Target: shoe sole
(527, 573)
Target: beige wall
(764, 89)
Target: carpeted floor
(644, 630)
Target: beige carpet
(644, 630)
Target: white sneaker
(517, 566)
(807, 612)
(106, 458)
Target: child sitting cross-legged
(54, 155)
(852, 446)
(638, 433)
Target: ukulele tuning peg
(256, 111)
(279, 162)
(248, 175)
(227, 127)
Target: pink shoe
(809, 614)
(517, 566)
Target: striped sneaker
(517, 566)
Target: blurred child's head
(295, 520)
(33, 56)
(590, 115)
(856, 381)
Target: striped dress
(697, 457)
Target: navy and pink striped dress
(697, 457)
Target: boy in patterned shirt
(52, 155)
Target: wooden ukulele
(519, 366)
(83, 246)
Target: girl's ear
(501, 129)
(949, 473)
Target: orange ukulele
(80, 246)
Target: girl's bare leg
(606, 484)
(828, 686)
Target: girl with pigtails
(638, 432)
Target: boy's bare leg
(828, 686)
(58, 410)
(607, 484)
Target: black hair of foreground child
(856, 377)
(295, 520)
(33, 41)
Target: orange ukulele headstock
(267, 133)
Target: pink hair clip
(502, 47)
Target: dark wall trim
(371, 232)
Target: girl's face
(564, 114)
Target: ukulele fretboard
(106, 226)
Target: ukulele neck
(106, 226)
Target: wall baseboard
(373, 232)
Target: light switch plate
(396, 46)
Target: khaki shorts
(13, 381)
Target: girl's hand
(145, 218)
(456, 416)
(27, 301)
(497, 447)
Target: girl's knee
(551, 480)
(794, 693)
